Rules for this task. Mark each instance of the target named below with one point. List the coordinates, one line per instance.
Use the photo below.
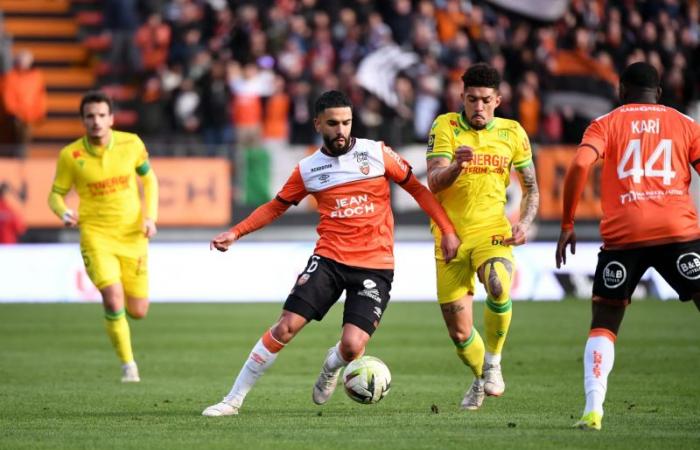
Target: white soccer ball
(367, 380)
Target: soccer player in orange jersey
(648, 217)
(349, 178)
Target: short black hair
(481, 75)
(640, 75)
(331, 99)
(96, 97)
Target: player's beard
(331, 145)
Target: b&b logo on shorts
(614, 274)
(688, 265)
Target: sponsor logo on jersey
(319, 168)
(497, 239)
(688, 265)
(503, 134)
(76, 154)
(431, 143)
(369, 284)
(454, 123)
(355, 205)
(378, 313)
(395, 156)
(324, 178)
(614, 274)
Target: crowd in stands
(219, 72)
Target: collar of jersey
(464, 124)
(90, 149)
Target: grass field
(59, 382)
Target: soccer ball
(367, 380)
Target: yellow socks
(471, 352)
(118, 331)
(496, 324)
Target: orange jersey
(647, 151)
(356, 225)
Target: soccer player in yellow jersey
(114, 232)
(469, 158)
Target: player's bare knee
(461, 332)
(351, 349)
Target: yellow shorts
(106, 267)
(458, 278)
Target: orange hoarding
(552, 164)
(193, 191)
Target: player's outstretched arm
(528, 205)
(442, 172)
(450, 241)
(574, 183)
(262, 216)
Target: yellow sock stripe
(498, 308)
(116, 315)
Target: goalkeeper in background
(114, 232)
(469, 158)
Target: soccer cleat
(493, 380)
(590, 422)
(474, 397)
(130, 373)
(325, 384)
(223, 408)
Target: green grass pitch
(59, 381)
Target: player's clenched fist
(223, 241)
(463, 155)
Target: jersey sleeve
(396, 168)
(63, 181)
(293, 190)
(522, 156)
(694, 147)
(142, 164)
(595, 137)
(440, 143)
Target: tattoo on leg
(451, 308)
(493, 284)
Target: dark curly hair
(331, 99)
(96, 97)
(481, 75)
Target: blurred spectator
(217, 128)
(276, 117)
(11, 224)
(5, 48)
(24, 98)
(153, 40)
(121, 21)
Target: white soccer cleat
(474, 397)
(130, 373)
(325, 384)
(493, 380)
(223, 408)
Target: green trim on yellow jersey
(94, 151)
(461, 120)
(440, 154)
(523, 164)
(143, 168)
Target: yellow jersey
(105, 180)
(477, 198)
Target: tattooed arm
(528, 205)
(442, 172)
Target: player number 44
(632, 158)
